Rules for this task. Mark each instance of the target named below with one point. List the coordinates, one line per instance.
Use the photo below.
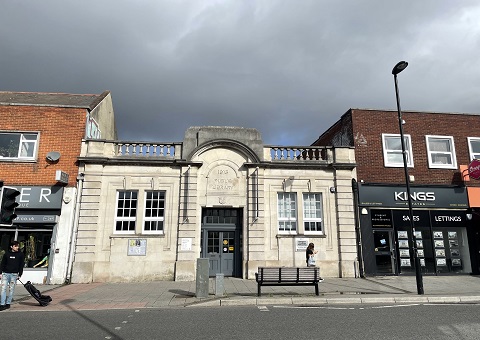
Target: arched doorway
(222, 240)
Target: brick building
(439, 147)
(40, 140)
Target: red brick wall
(368, 125)
(339, 134)
(61, 129)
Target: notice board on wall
(137, 247)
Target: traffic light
(8, 204)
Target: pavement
(241, 292)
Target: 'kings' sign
(421, 197)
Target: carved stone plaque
(222, 180)
(223, 187)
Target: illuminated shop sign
(421, 197)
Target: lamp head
(402, 65)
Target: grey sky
(288, 68)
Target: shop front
(441, 230)
(38, 215)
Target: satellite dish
(53, 156)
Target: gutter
(73, 240)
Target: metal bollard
(219, 285)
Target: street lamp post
(396, 70)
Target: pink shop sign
(474, 169)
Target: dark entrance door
(384, 252)
(221, 252)
(221, 241)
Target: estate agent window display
(441, 241)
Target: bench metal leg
(259, 290)
(316, 289)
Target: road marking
(263, 308)
(314, 307)
(345, 308)
(451, 304)
(393, 306)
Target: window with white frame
(126, 215)
(392, 150)
(474, 147)
(312, 213)
(441, 152)
(18, 145)
(287, 212)
(154, 212)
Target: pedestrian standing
(12, 269)
(310, 254)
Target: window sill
(137, 235)
(301, 235)
(447, 167)
(397, 165)
(18, 160)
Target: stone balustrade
(136, 149)
(298, 153)
(271, 153)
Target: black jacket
(13, 262)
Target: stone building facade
(148, 211)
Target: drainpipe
(357, 228)
(73, 240)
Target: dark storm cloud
(287, 68)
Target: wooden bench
(288, 276)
